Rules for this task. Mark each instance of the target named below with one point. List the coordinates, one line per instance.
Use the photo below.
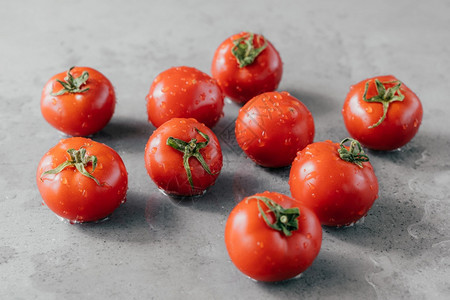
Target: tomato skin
(75, 197)
(79, 114)
(184, 92)
(242, 84)
(165, 164)
(265, 254)
(272, 127)
(402, 120)
(339, 192)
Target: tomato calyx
(385, 96)
(355, 154)
(79, 160)
(72, 84)
(244, 51)
(191, 149)
(285, 219)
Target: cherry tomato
(184, 92)
(79, 102)
(81, 180)
(272, 127)
(272, 237)
(246, 65)
(183, 157)
(382, 113)
(337, 182)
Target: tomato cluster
(269, 236)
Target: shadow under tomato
(385, 228)
(126, 224)
(325, 279)
(317, 103)
(125, 134)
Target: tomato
(338, 183)
(81, 180)
(272, 237)
(272, 127)
(183, 157)
(382, 113)
(78, 103)
(246, 65)
(184, 92)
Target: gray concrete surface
(157, 248)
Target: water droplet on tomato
(405, 126)
(305, 245)
(416, 123)
(369, 109)
(165, 89)
(308, 235)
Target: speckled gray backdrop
(157, 248)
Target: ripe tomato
(246, 65)
(183, 157)
(184, 92)
(78, 103)
(81, 180)
(382, 113)
(272, 237)
(338, 183)
(272, 127)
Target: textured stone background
(154, 247)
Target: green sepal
(191, 149)
(355, 154)
(72, 84)
(385, 97)
(285, 218)
(244, 51)
(79, 160)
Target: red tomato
(272, 127)
(79, 102)
(382, 113)
(184, 92)
(272, 237)
(183, 157)
(338, 183)
(246, 65)
(81, 180)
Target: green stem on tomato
(385, 97)
(72, 84)
(191, 149)
(79, 160)
(285, 219)
(244, 51)
(355, 154)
